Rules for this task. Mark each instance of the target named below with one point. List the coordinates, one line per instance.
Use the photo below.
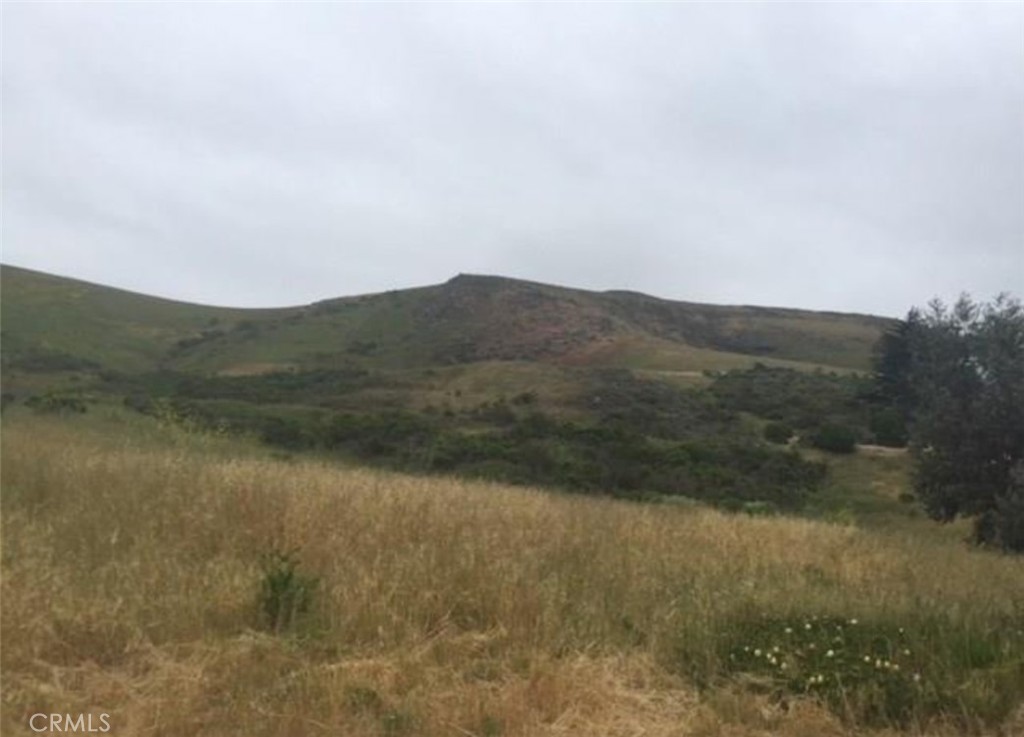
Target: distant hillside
(51, 322)
(54, 323)
(482, 377)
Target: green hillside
(55, 323)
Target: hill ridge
(461, 277)
(469, 318)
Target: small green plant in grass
(396, 722)
(285, 594)
(363, 699)
(491, 727)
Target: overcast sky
(855, 157)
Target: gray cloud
(835, 156)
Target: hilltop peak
(463, 279)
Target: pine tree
(958, 375)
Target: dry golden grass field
(190, 585)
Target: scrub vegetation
(186, 583)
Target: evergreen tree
(958, 374)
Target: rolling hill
(53, 324)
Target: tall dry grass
(132, 578)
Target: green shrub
(496, 413)
(1004, 525)
(54, 403)
(759, 509)
(796, 398)
(881, 672)
(778, 432)
(285, 594)
(525, 398)
(46, 361)
(279, 387)
(840, 661)
(888, 427)
(654, 408)
(834, 439)
(540, 450)
(284, 433)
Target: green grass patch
(874, 671)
